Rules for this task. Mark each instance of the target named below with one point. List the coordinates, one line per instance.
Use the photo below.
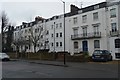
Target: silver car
(4, 57)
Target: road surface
(24, 69)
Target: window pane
(96, 30)
(75, 45)
(56, 25)
(117, 43)
(75, 20)
(51, 26)
(95, 16)
(56, 34)
(60, 24)
(60, 34)
(96, 44)
(117, 55)
(85, 31)
(47, 32)
(84, 18)
(60, 44)
(57, 44)
(75, 31)
(96, 7)
(114, 27)
(52, 44)
(51, 35)
(113, 13)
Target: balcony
(86, 36)
(113, 34)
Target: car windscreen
(3, 54)
(97, 52)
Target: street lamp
(64, 32)
(54, 36)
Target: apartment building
(87, 29)
(113, 16)
(29, 36)
(96, 27)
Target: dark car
(101, 55)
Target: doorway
(85, 45)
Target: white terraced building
(95, 27)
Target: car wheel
(106, 60)
(5, 59)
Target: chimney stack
(38, 19)
(74, 8)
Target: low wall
(50, 56)
(12, 55)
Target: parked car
(101, 55)
(4, 57)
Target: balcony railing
(86, 36)
(116, 33)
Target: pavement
(44, 62)
(61, 63)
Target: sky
(19, 11)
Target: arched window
(117, 43)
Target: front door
(85, 45)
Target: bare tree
(4, 21)
(36, 35)
(6, 31)
(20, 41)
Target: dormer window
(22, 26)
(96, 7)
(30, 24)
(80, 11)
(26, 25)
(57, 17)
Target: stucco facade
(86, 29)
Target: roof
(87, 9)
(71, 13)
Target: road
(0, 70)
(24, 69)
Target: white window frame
(84, 18)
(75, 45)
(75, 20)
(114, 27)
(95, 16)
(96, 43)
(113, 13)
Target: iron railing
(115, 33)
(86, 35)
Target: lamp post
(64, 31)
(54, 37)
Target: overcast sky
(25, 10)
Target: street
(0, 70)
(24, 69)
